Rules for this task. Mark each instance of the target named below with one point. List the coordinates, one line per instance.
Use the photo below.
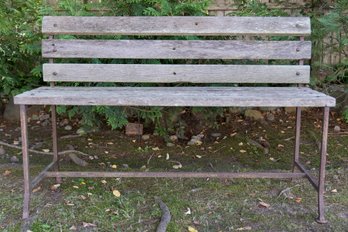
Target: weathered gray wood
(176, 49)
(177, 96)
(176, 25)
(176, 73)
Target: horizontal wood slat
(185, 25)
(176, 73)
(177, 96)
(176, 49)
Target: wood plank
(176, 49)
(177, 96)
(147, 73)
(176, 25)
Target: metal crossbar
(299, 171)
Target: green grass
(216, 205)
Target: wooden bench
(265, 46)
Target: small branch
(165, 219)
(42, 152)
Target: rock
(81, 131)
(173, 138)
(215, 135)
(45, 123)
(235, 110)
(43, 117)
(254, 114)
(145, 137)
(170, 144)
(11, 112)
(34, 117)
(14, 159)
(70, 147)
(270, 117)
(337, 129)
(134, 129)
(64, 122)
(268, 109)
(68, 127)
(2, 151)
(290, 109)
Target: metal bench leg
(55, 141)
(24, 131)
(323, 153)
(297, 139)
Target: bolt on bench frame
(253, 26)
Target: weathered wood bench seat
(253, 43)
(178, 96)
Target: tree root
(165, 219)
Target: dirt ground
(119, 204)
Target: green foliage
(20, 36)
(334, 27)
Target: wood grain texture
(176, 49)
(176, 25)
(177, 96)
(143, 73)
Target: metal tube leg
(323, 153)
(24, 131)
(55, 141)
(297, 138)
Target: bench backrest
(268, 43)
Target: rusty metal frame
(300, 173)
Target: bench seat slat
(176, 49)
(147, 73)
(176, 25)
(177, 96)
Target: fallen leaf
(7, 173)
(263, 204)
(155, 149)
(283, 132)
(177, 166)
(198, 156)
(188, 212)
(55, 187)
(46, 150)
(114, 166)
(103, 181)
(89, 194)
(242, 151)
(167, 156)
(75, 187)
(36, 189)
(192, 229)
(83, 197)
(110, 143)
(73, 228)
(133, 140)
(240, 144)
(244, 228)
(82, 183)
(116, 193)
(87, 224)
(298, 199)
(334, 191)
(233, 134)
(106, 152)
(280, 145)
(198, 142)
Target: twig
(148, 161)
(165, 219)
(70, 136)
(42, 152)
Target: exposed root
(165, 219)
